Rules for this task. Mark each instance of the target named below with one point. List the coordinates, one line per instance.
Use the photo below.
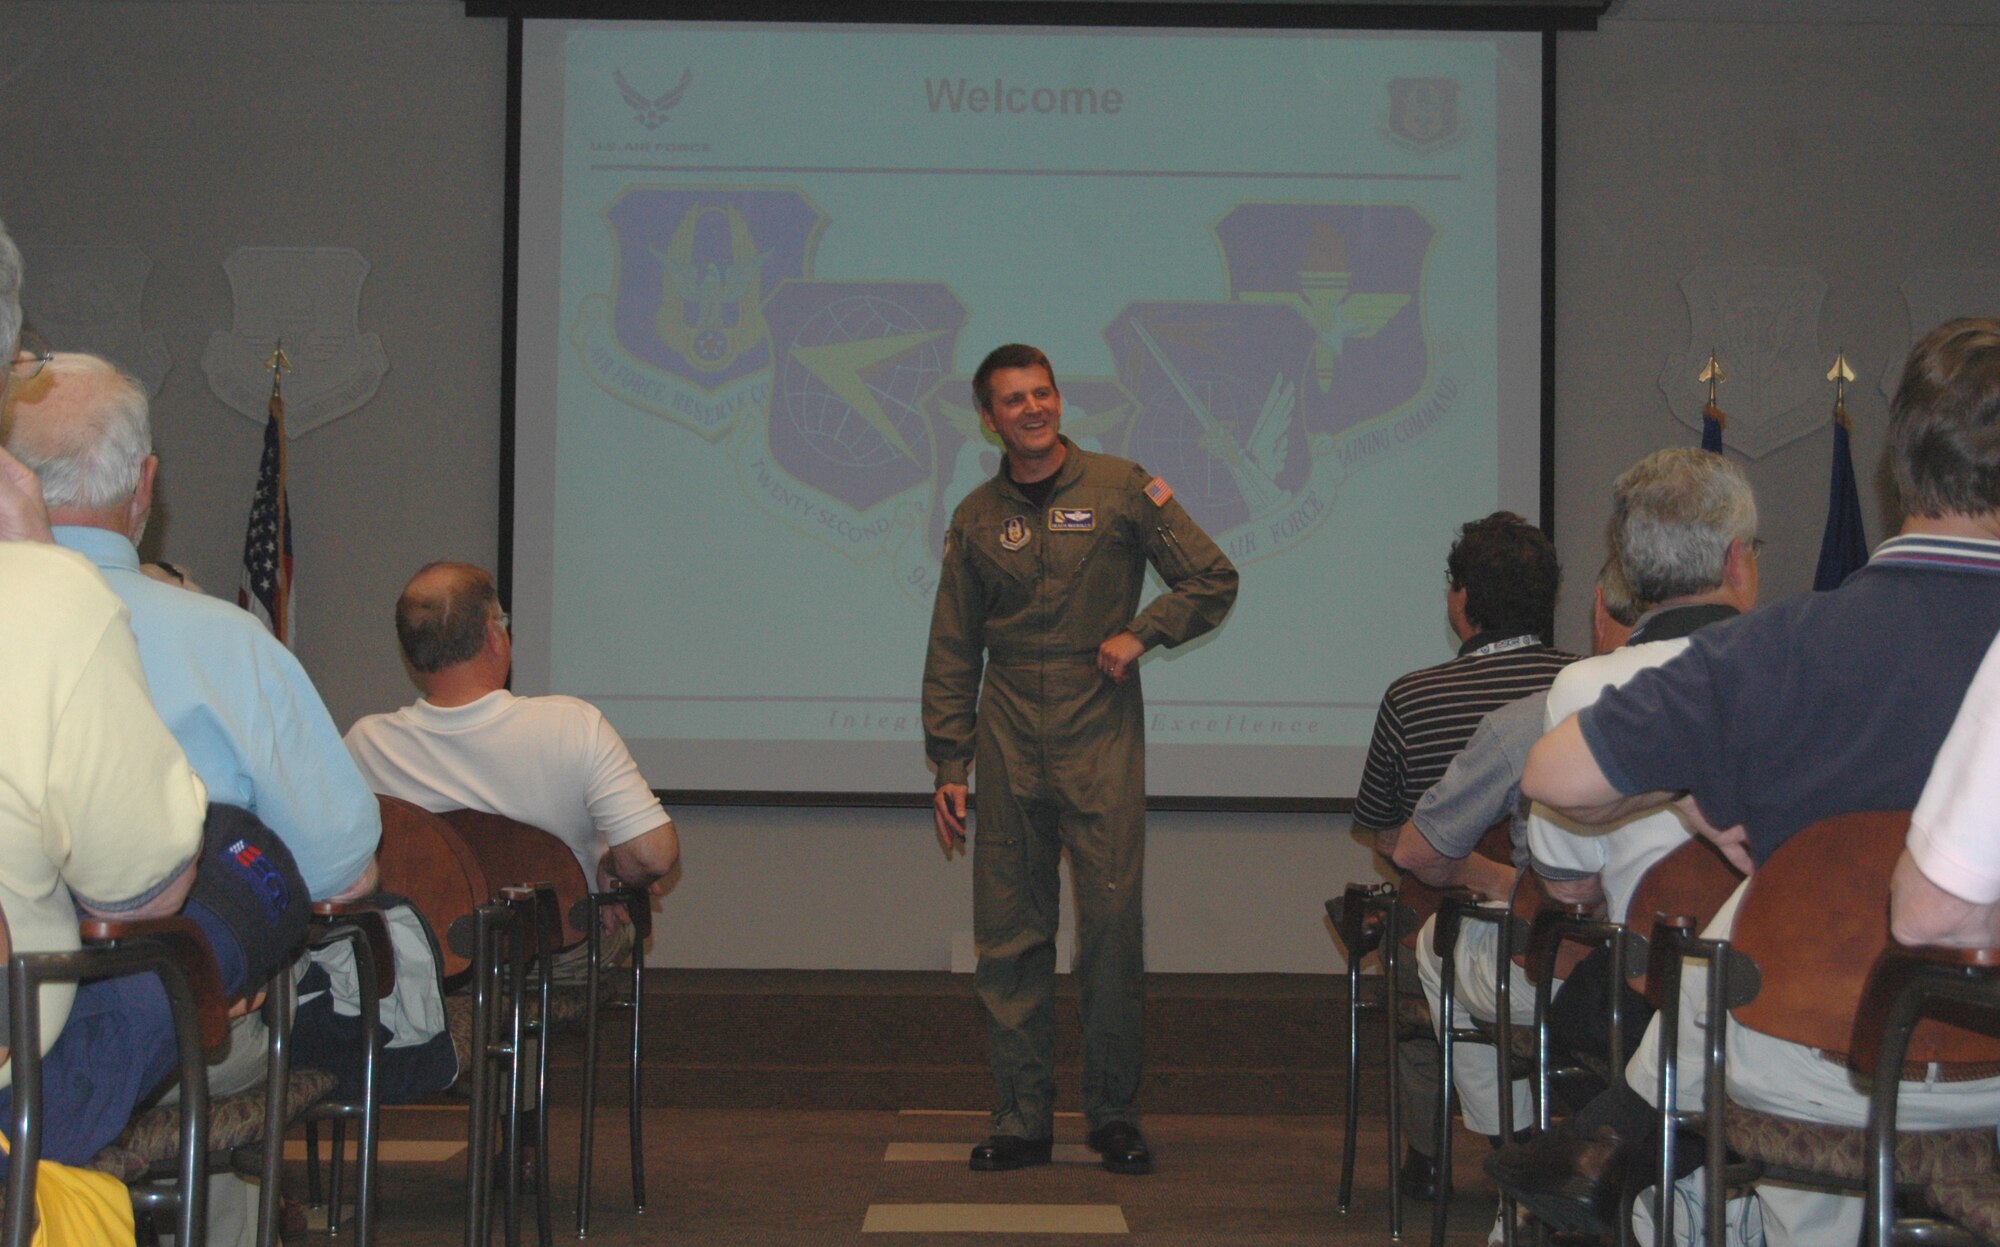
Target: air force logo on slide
(1072, 519)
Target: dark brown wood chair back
(512, 853)
(1815, 918)
(1691, 882)
(424, 858)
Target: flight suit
(1025, 596)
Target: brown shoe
(1569, 1178)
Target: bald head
(441, 618)
(86, 430)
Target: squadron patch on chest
(1072, 519)
(1014, 532)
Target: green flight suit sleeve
(1201, 581)
(953, 664)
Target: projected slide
(1294, 274)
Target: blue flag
(1845, 545)
(1712, 421)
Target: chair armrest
(185, 943)
(367, 918)
(1904, 967)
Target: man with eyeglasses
(468, 743)
(236, 700)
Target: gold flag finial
(1840, 374)
(1713, 375)
(279, 363)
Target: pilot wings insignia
(651, 111)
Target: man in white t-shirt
(467, 743)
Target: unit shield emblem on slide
(1423, 113)
(1353, 274)
(683, 333)
(1218, 391)
(844, 453)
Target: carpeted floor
(815, 1108)
(727, 1178)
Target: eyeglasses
(30, 358)
(506, 623)
(1756, 545)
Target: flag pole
(1843, 547)
(1712, 420)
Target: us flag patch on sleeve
(1159, 491)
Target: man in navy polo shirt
(1824, 704)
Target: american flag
(266, 590)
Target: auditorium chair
(1385, 918)
(569, 914)
(1909, 988)
(1812, 923)
(174, 949)
(483, 941)
(1691, 882)
(1511, 1059)
(361, 926)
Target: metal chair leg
(279, 996)
(636, 1130)
(587, 1129)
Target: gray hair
(88, 453)
(1616, 592)
(10, 296)
(1673, 517)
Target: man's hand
(22, 515)
(1733, 841)
(948, 812)
(1116, 657)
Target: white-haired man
(98, 806)
(241, 707)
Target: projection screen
(1297, 274)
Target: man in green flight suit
(1039, 588)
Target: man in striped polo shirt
(1502, 577)
(1501, 602)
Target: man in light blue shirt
(238, 702)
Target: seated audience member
(239, 704)
(1821, 705)
(1438, 845)
(467, 743)
(237, 701)
(98, 807)
(1502, 576)
(1946, 889)
(1500, 601)
(1684, 527)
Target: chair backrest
(424, 858)
(512, 853)
(1814, 919)
(1693, 881)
